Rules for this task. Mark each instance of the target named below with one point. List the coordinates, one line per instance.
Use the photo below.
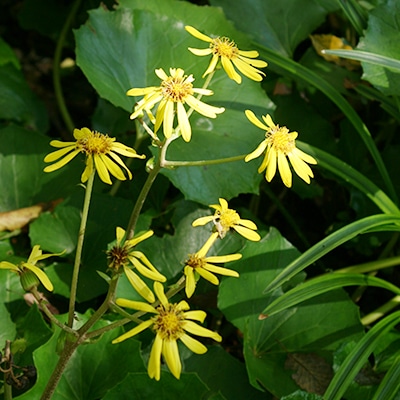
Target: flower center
(280, 139)
(176, 88)
(117, 257)
(96, 143)
(168, 322)
(224, 47)
(194, 261)
(227, 219)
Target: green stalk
(56, 67)
(130, 230)
(381, 311)
(79, 246)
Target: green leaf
(309, 328)
(7, 55)
(140, 386)
(358, 356)
(276, 24)
(323, 284)
(18, 103)
(390, 385)
(8, 329)
(90, 373)
(381, 38)
(129, 60)
(332, 241)
(224, 373)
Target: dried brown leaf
(312, 372)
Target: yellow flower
(170, 323)
(279, 144)
(225, 218)
(29, 273)
(226, 49)
(198, 264)
(122, 254)
(175, 90)
(101, 152)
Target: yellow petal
(212, 65)
(192, 344)
(161, 74)
(88, 171)
(190, 284)
(139, 285)
(247, 233)
(207, 245)
(141, 327)
(208, 276)
(102, 169)
(224, 259)
(155, 276)
(203, 220)
(135, 305)
(197, 315)
(198, 330)
(153, 369)
(169, 117)
(200, 52)
(41, 275)
(257, 152)
(203, 108)
(82, 133)
(171, 355)
(55, 155)
(8, 265)
(304, 156)
(284, 170)
(120, 233)
(141, 91)
(194, 32)
(228, 67)
(254, 120)
(220, 270)
(248, 70)
(59, 143)
(159, 290)
(183, 122)
(59, 164)
(112, 167)
(271, 165)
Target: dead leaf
(17, 219)
(331, 42)
(312, 372)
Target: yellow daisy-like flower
(171, 323)
(225, 49)
(101, 153)
(175, 91)
(225, 218)
(122, 255)
(279, 144)
(199, 265)
(29, 273)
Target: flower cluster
(101, 155)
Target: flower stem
(168, 164)
(381, 311)
(130, 230)
(56, 67)
(79, 246)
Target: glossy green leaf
(380, 39)
(90, 373)
(309, 328)
(223, 373)
(140, 34)
(358, 356)
(8, 329)
(272, 23)
(323, 284)
(17, 101)
(332, 241)
(140, 386)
